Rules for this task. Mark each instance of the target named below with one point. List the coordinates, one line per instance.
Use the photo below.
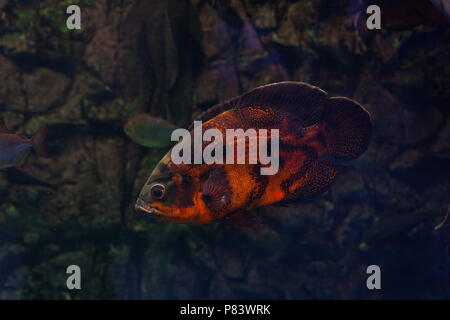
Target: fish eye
(158, 191)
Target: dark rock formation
(173, 59)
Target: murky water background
(173, 59)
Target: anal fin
(242, 218)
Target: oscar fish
(15, 149)
(314, 130)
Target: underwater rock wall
(174, 59)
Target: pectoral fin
(217, 191)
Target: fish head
(169, 195)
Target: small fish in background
(15, 149)
(399, 15)
(313, 129)
(149, 131)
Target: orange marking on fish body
(241, 183)
(204, 214)
(272, 194)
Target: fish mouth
(143, 207)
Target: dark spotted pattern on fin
(347, 127)
(217, 191)
(319, 175)
(287, 184)
(304, 101)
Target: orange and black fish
(15, 149)
(314, 129)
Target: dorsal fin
(304, 101)
(3, 127)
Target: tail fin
(347, 128)
(38, 142)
